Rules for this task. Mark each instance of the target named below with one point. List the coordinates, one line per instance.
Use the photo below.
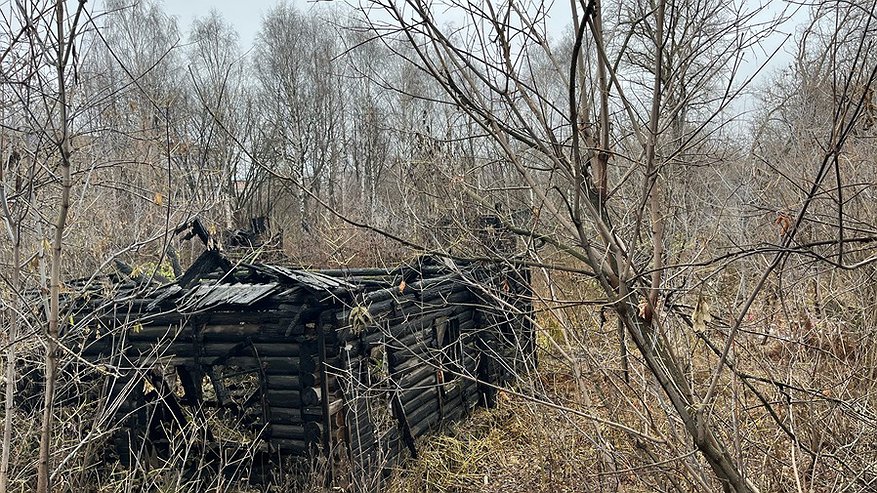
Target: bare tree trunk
(44, 467)
(652, 170)
(601, 159)
(664, 367)
(15, 233)
(10, 381)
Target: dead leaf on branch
(701, 316)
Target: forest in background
(705, 277)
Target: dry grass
(524, 446)
(520, 446)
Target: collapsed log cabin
(353, 364)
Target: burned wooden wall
(354, 365)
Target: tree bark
(666, 370)
(652, 169)
(8, 405)
(53, 330)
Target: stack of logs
(427, 354)
(353, 364)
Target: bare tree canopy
(682, 189)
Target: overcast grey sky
(244, 15)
